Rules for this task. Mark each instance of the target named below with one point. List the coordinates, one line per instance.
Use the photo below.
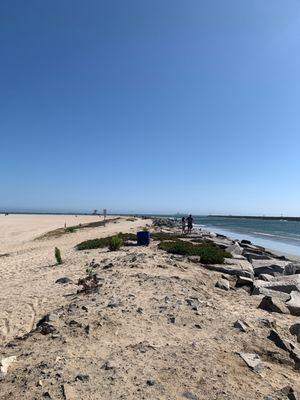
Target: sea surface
(280, 235)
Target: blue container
(143, 238)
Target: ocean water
(281, 235)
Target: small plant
(58, 255)
(71, 229)
(115, 243)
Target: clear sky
(150, 106)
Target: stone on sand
(252, 360)
(223, 284)
(5, 363)
(294, 303)
(273, 305)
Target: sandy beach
(27, 268)
(155, 326)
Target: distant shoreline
(257, 217)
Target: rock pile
(164, 223)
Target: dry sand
(27, 266)
(157, 329)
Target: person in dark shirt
(190, 221)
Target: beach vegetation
(101, 243)
(208, 254)
(57, 255)
(115, 243)
(62, 231)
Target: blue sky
(150, 106)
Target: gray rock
(285, 345)
(69, 392)
(113, 303)
(241, 325)
(245, 242)
(271, 293)
(164, 222)
(193, 302)
(82, 378)
(150, 382)
(52, 317)
(232, 266)
(64, 280)
(286, 284)
(295, 331)
(5, 363)
(252, 360)
(45, 328)
(266, 277)
(254, 256)
(271, 267)
(244, 281)
(223, 284)
(273, 305)
(294, 303)
(290, 269)
(235, 249)
(286, 393)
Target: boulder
(285, 345)
(272, 266)
(252, 360)
(294, 303)
(244, 281)
(252, 247)
(232, 266)
(273, 305)
(245, 242)
(286, 284)
(164, 222)
(254, 256)
(223, 284)
(290, 269)
(235, 249)
(295, 331)
(266, 277)
(286, 393)
(270, 293)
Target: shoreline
(275, 246)
(266, 218)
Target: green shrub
(71, 229)
(93, 244)
(57, 255)
(104, 242)
(115, 243)
(208, 254)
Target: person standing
(183, 224)
(190, 221)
